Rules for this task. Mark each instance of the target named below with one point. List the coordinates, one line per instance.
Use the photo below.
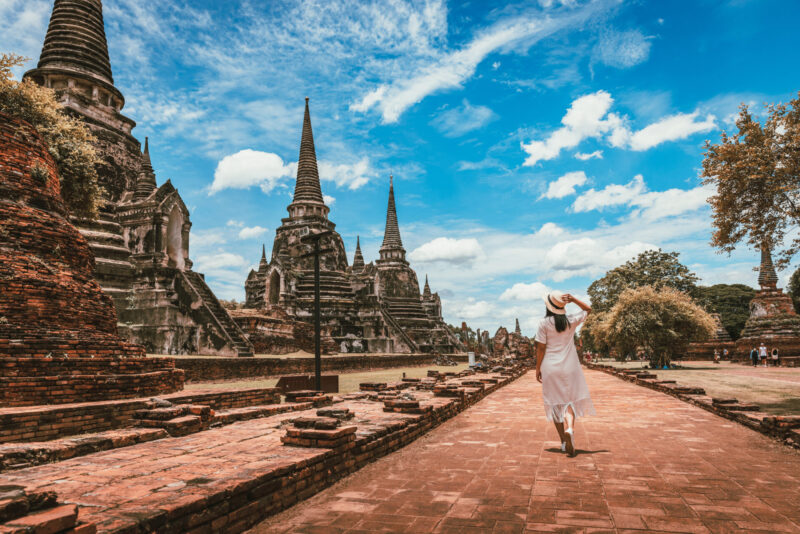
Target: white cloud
(444, 249)
(591, 155)
(251, 232)
(622, 49)
(459, 121)
(565, 185)
(329, 200)
(587, 256)
(550, 229)
(646, 204)
(589, 117)
(220, 260)
(22, 26)
(248, 168)
(452, 69)
(672, 128)
(611, 195)
(525, 292)
(350, 175)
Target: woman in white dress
(566, 395)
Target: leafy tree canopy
(660, 322)
(794, 289)
(654, 268)
(68, 140)
(756, 172)
(730, 301)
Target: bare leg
(569, 420)
(560, 428)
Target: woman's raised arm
(582, 305)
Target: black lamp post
(314, 239)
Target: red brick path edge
(646, 463)
(785, 429)
(228, 479)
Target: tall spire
(76, 39)
(426, 292)
(392, 247)
(358, 258)
(146, 183)
(262, 265)
(307, 188)
(767, 278)
(517, 329)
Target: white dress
(563, 383)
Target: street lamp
(314, 240)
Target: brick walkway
(647, 463)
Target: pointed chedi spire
(517, 329)
(307, 190)
(767, 277)
(392, 247)
(426, 292)
(76, 40)
(262, 265)
(358, 258)
(146, 183)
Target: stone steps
(37, 512)
(178, 419)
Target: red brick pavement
(647, 463)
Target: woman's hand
(567, 298)
(539, 375)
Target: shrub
(68, 139)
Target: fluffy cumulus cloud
(565, 185)
(589, 117)
(251, 232)
(248, 168)
(585, 256)
(462, 120)
(349, 175)
(219, 260)
(525, 292)
(622, 50)
(645, 204)
(448, 250)
(597, 154)
(672, 128)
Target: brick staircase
(220, 316)
(113, 268)
(331, 285)
(24, 512)
(178, 419)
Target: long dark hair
(562, 323)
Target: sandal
(569, 444)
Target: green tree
(661, 322)
(756, 173)
(654, 268)
(730, 301)
(794, 289)
(68, 140)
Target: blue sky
(534, 145)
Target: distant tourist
(754, 356)
(762, 354)
(775, 357)
(725, 354)
(564, 389)
(716, 355)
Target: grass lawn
(348, 382)
(775, 389)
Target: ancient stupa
(58, 329)
(719, 341)
(773, 320)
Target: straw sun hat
(555, 302)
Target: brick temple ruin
(365, 307)
(140, 240)
(773, 320)
(58, 330)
